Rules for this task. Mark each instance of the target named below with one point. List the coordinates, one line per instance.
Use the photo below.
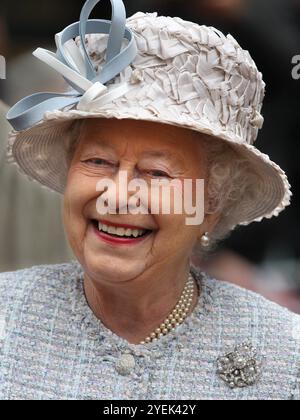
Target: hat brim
(40, 153)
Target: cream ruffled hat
(158, 69)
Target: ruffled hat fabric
(186, 75)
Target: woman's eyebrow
(104, 143)
(162, 153)
(98, 142)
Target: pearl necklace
(178, 314)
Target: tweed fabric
(53, 347)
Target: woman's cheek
(80, 190)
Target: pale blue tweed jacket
(53, 347)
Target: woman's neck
(134, 309)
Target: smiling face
(129, 244)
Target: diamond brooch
(239, 368)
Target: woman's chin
(117, 269)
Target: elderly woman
(132, 318)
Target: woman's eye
(98, 162)
(159, 174)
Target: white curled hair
(231, 179)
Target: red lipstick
(115, 240)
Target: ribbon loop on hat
(76, 67)
(117, 29)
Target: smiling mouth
(120, 232)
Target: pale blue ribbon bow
(77, 68)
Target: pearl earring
(205, 240)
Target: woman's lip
(118, 241)
(104, 222)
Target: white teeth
(103, 227)
(111, 230)
(121, 231)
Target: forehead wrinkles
(136, 142)
(118, 148)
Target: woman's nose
(119, 192)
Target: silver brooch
(239, 368)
